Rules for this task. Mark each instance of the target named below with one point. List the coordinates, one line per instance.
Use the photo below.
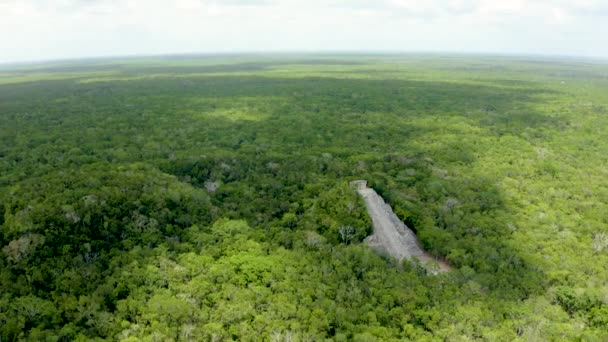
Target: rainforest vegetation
(201, 198)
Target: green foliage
(207, 199)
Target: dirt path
(393, 236)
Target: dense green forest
(200, 198)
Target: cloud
(429, 8)
(461, 6)
(245, 2)
(394, 8)
(587, 8)
(42, 29)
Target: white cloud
(46, 29)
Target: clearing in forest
(391, 235)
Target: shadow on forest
(366, 128)
(131, 70)
(316, 115)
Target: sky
(34, 30)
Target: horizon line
(326, 53)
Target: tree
(346, 233)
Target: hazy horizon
(77, 29)
(305, 54)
